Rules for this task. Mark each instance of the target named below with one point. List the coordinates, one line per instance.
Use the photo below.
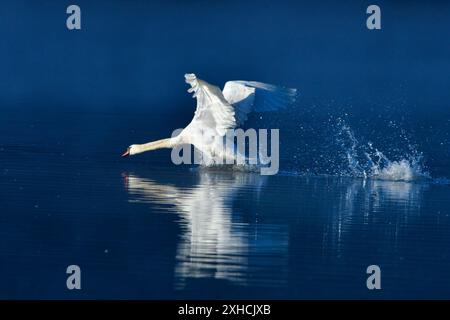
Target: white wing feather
(213, 117)
(248, 96)
(213, 110)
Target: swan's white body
(218, 111)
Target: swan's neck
(154, 145)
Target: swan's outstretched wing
(248, 96)
(214, 112)
(213, 117)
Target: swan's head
(131, 150)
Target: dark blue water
(143, 228)
(364, 169)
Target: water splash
(366, 161)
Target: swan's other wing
(248, 96)
(213, 111)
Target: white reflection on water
(366, 203)
(371, 196)
(222, 236)
(217, 240)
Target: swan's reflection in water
(237, 229)
(219, 239)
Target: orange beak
(126, 153)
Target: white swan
(217, 111)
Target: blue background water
(71, 101)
